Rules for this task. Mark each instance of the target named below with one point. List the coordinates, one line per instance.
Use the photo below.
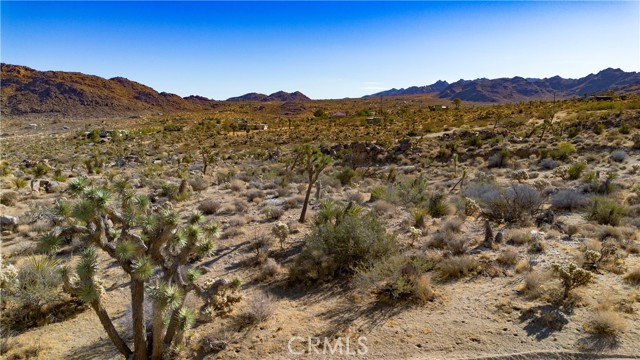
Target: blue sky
(324, 49)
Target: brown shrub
(456, 267)
(209, 207)
(508, 257)
(606, 323)
(633, 276)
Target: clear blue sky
(325, 50)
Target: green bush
(606, 211)
(346, 175)
(341, 240)
(599, 129)
(575, 170)
(563, 151)
(413, 191)
(437, 205)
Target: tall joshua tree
(313, 161)
(151, 248)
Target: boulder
(8, 223)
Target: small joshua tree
(154, 257)
(313, 161)
(571, 276)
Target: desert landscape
(433, 228)
(357, 202)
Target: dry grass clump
(294, 202)
(238, 221)
(520, 236)
(355, 196)
(9, 198)
(270, 268)
(259, 309)
(383, 207)
(232, 232)
(209, 207)
(508, 257)
(199, 183)
(456, 267)
(533, 286)
(606, 322)
(272, 212)
(633, 276)
(237, 185)
(523, 265)
(569, 199)
(255, 195)
(240, 205)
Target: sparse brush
(9, 198)
(606, 323)
(270, 268)
(456, 267)
(533, 285)
(259, 309)
(237, 185)
(20, 183)
(633, 276)
(209, 206)
(354, 196)
(508, 257)
(606, 211)
(437, 205)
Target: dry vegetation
(478, 231)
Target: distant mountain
(296, 96)
(524, 89)
(414, 90)
(28, 91)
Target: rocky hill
(521, 89)
(296, 96)
(26, 91)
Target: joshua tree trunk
(306, 201)
(139, 329)
(110, 329)
(158, 326)
(173, 324)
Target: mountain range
(521, 89)
(26, 91)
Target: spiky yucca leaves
(49, 243)
(77, 186)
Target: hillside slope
(29, 91)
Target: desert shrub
(618, 155)
(437, 205)
(562, 151)
(340, 240)
(398, 278)
(413, 191)
(548, 164)
(605, 211)
(625, 129)
(599, 129)
(508, 257)
(354, 196)
(20, 183)
(569, 199)
(456, 267)
(511, 204)
(36, 283)
(520, 236)
(346, 175)
(240, 205)
(259, 309)
(270, 268)
(199, 183)
(575, 170)
(534, 283)
(573, 132)
(419, 216)
(606, 322)
(272, 212)
(571, 276)
(636, 142)
(254, 194)
(499, 159)
(633, 276)
(9, 198)
(237, 185)
(209, 207)
(380, 193)
(383, 207)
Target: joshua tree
(457, 102)
(313, 161)
(155, 257)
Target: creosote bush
(511, 204)
(343, 237)
(605, 211)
